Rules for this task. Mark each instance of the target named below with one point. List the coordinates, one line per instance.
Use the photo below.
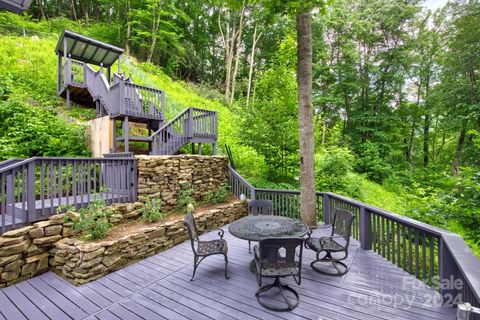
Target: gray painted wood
(158, 288)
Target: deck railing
(121, 97)
(204, 123)
(32, 189)
(437, 258)
(143, 101)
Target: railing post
(31, 208)
(253, 194)
(121, 97)
(190, 123)
(365, 229)
(326, 208)
(447, 270)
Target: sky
(435, 4)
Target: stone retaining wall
(24, 252)
(161, 177)
(81, 262)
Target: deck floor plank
(158, 287)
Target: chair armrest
(321, 239)
(256, 253)
(220, 232)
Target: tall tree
(302, 10)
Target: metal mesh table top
(255, 228)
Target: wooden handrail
(32, 189)
(433, 255)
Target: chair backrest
(260, 207)
(281, 252)
(189, 222)
(342, 224)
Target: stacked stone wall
(81, 262)
(162, 177)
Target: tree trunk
(237, 56)
(458, 151)
(156, 22)
(426, 140)
(252, 62)
(305, 119)
(73, 10)
(129, 30)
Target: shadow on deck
(158, 288)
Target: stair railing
(173, 135)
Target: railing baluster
(424, 258)
(416, 254)
(432, 259)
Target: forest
(395, 92)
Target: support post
(190, 123)
(448, 271)
(68, 98)
(214, 149)
(200, 149)
(193, 147)
(59, 73)
(326, 209)
(118, 63)
(108, 74)
(114, 135)
(365, 229)
(125, 133)
(31, 210)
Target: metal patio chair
(336, 243)
(279, 258)
(203, 249)
(259, 207)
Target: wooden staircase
(128, 102)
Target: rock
(90, 263)
(46, 240)
(17, 232)
(43, 224)
(37, 233)
(157, 233)
(9, 241)
(110, 260)
(42, 264)
(5, 260)
(14, 265)
(53, 230)
(14, 248)
(73, 216)
(93, 254)
(58, 216)
(37, 257)
(28, 268)
(10, 275)
(132, 214)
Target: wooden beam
(125, 133)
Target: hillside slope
(28, 75)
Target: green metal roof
(17, 6)
(85, 49)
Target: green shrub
(185, 197)
(92, 220)
(218, 196)
(27, 131)
(332, 170)
(152, 212)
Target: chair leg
(226, 267)
(336, 263)
(195, 265)
(249, 246)
(291, 303)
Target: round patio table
(255, 228)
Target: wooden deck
(158, 288)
